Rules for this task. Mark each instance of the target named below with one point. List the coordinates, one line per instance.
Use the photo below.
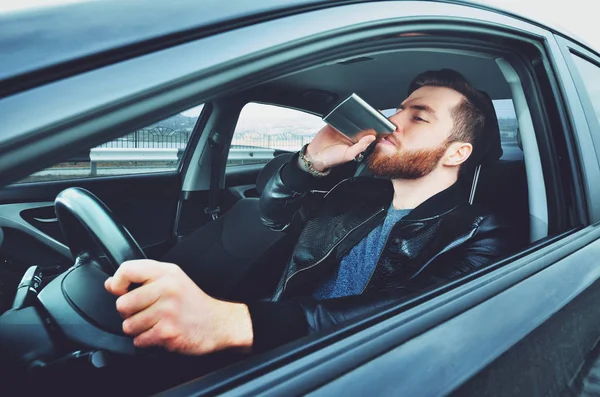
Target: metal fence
(281, 142)
(156, 137)
(164, 137)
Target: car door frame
(569, 50)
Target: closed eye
(417, 118)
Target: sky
(15, 5)
(574, 16)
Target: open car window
(157, 147)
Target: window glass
(509, 129)
(590, 74)
(262, 130)
(155, 148)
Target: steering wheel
(91, 229)
(72, 330)
(74, 312)
(77, 299)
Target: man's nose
(397, 121)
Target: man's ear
(457, 153)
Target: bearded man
(368, 242)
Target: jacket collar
(436, 205)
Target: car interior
(231, 254)
(510, 185)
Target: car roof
(41, 38)
(32, 39)
(316, 89)
(545, 18)
(37, 38)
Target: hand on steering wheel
(170, 311)
(166, 309)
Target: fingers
(359, 147)
(142, 321)
(160, 334)
(138, 299)
(367, 140)
(137, 271)
(147, 339)
(330, 132)
(366, 133)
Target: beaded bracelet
(307, 166)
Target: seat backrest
(235, 256)
(502, 189)
(500, 185)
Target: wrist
(309, 155)
(240, 333)
(305, 162)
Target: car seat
(234, 256)
(500, 185)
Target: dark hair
(469, 115)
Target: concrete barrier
(111, 155)
(250, 154)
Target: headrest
(488, 148)
(270, 169)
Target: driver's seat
(234, 256)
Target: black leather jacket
(440, 240)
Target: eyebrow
(425, 108)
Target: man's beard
(405, 164)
